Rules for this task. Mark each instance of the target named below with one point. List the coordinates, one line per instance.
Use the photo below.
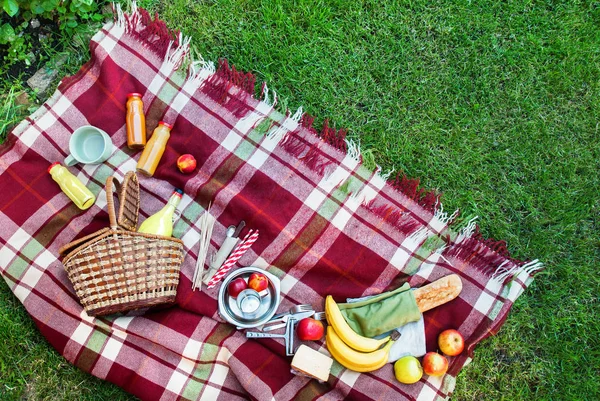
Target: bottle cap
(132, 94)
(52, 165)
(169, 126)
(178, 191)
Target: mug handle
(71, 161)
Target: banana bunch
(350, 349)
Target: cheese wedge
(312, 363)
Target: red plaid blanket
(328, 225)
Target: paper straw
(236, 254)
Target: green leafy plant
(11, 7)
(68, 15)
(7, 34)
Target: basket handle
(65, 249)
(110, 200)
(128, 193)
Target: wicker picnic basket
(117, 269)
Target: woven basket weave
(117, 269)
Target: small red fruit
(258, 282)
(310, 329)
(186, 163)
(236, 286)
(451, 342)
(435, 364)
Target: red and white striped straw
(236, 254)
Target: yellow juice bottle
(71, 186)
(161, 222)
(154, 149)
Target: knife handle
(278, 317)
(257, 334)
(289, 337)
(274, 327)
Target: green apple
(408, 370)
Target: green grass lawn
(494, 103)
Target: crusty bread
(437, 293)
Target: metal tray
(229, 310)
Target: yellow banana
(355, 360)
(345, 332)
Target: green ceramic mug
(89, 145)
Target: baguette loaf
(437, 293)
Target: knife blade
(239, 229)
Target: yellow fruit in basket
(345, 332)
(408, 370)
(353, 359)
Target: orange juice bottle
(154, 149)
(135, 122)
(71, 186)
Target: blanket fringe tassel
(443, 217)
(401, 220)
(487, 255)
(151, 32)
(289, 123)
(504, 273)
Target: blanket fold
(328, 224)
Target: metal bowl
(228, 306)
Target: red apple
(451, 342)
(310, 329)
(236, 286)
(435, 364)
(186, 163)
(258, 282)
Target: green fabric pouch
(382, 313)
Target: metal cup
(248, 301)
